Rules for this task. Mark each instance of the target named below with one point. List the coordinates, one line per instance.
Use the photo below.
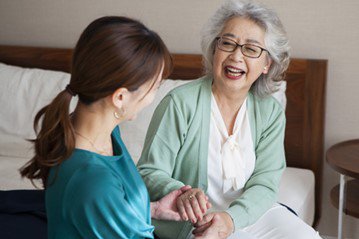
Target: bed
(304, 92)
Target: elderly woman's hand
(217, 225)
(166, 207)
(192, 205)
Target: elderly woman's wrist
(230, 221)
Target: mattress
(297, 191)
(9, 173)
(296, 187)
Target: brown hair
(112, 52)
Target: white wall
(326, 29)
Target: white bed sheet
(297, 191)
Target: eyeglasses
(249, 50)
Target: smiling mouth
(234, 72)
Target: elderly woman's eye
(251, 49)
(228, 43)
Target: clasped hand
(193, 205)
(185, 204)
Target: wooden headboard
(306, 82)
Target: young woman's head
(116, 58)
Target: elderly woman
(223, 134)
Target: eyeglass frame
(240, 47)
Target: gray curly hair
(276, 41)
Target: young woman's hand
(192, 205)
(217, 225)
(166, 207)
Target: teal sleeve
(160, 151)
(100, 208)
(260, 191)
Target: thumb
(178, 192)
(174, 216)
(185, 188)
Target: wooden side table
(344, 158)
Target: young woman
(92, 187)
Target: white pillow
(280, 94)
(134, 132)
(24, 92)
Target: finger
(185, 188)
(209, 205)
(201, 229)
(175, 193)
(209, 233)
(202, 201)
(196, 208)
(181, 209)
(206, 219)
(189, 211)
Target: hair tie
(71, 92)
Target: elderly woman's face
(232, 70)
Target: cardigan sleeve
(260, 191)
(162, 144)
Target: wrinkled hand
(217, 225)
(166, 207)
(192, 205)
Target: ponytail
(55, 141)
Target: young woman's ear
(119, 97)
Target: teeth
(233, 70)
(234, 74)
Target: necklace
(101, 151)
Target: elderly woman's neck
(230, 99)
(229, 103)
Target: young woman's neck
(93, 125)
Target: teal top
(96, 196)
(175, 152)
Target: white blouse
(231, 158)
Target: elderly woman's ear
(267, 67)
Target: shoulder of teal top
(96, 205)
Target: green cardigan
(176, 150)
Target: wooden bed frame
(306, 83)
